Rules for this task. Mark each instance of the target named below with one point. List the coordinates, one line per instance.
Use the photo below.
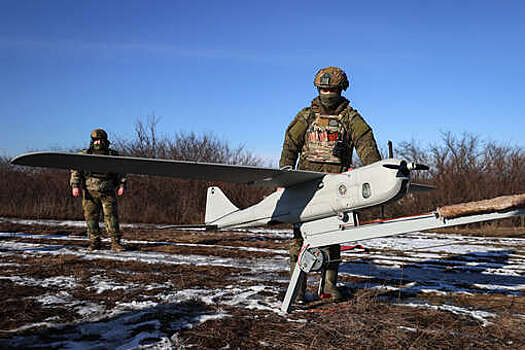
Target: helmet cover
(331, 77)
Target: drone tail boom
(217, 205)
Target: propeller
(419, 166)
(405, 167)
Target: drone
(325, 207)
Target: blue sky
(243, 69)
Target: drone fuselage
(331, 195)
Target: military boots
(93, 231)
(300, 297)
(116, 246)
(330, 285)
(95, 244)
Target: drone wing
(247, 175)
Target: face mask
(330, 101)
(99, 147)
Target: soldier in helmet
(99, 193)
(323, 136)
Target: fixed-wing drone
(324, 206)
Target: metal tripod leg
(293, 288)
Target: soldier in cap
(323, 136)
(99, 193)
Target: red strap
(351, 247)
(325, 295)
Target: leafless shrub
(37, 194)
(148, 142)
(178, 200)
(464, 168)
(4, 163)
(44, 193)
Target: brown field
(376, 314)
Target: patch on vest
(321, 137)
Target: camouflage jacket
(97, 181)
(356, 134)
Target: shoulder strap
(347, 115)
(310, 116)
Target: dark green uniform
(354, 132)
(98, 193)
(312, 137)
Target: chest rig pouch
(323, 136)
(99, 184)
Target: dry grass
(370, 319)
(363, 323)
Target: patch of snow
(273, 233)
(433, 242)
(124, 330)
(137, 305)
(475, 314)
(496, 287)
(265, 264)
(52, 282)
(31, 246)
(11, 265)
(164, 343)
(264, 343)
(29, 326)
(57, 223)
(410, 329)
(435, 291)
(61, 298)
(203, 318)
(81, 223)
(299, 320)
(87, 310)
(102, 284)
(247, 297)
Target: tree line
(463, 168)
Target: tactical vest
(321, 138)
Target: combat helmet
(99, 134)
(331, 77)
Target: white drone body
(332, 195)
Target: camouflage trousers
(93, 202)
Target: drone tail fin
(217, 205)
